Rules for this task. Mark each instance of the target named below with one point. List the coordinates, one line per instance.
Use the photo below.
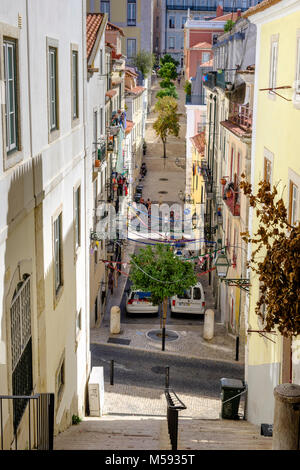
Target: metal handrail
(174, 405)
(41, 416)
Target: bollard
(167, 377)
(237, 348)
(286, 417)
(112, 364)
(208, 329)
(115, 320)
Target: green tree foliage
(168, 71)
(167, 58)
(167, 122)
(275, 259)
(157, 270)
(188, 87)
(144, 61)
(168, 91)
(228, 26)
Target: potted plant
(97, 163)
(223, 181)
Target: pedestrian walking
(178, 80)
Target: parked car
(140, 302)
(192, 301)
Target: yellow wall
(278, 125)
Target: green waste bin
(229, 389)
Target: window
(131, 48)
(74, 84)
(183, 21)
(11, 106)
(77, 218)
(273, 65)
(197, 293)
(58, 253)
(171, 22)
(297, 86)
(267, 170)
(131, 12)
(205, 57)
(78, 323)
(105, 7)
(171, 43)
(21, 346)
(53, 88)
(60, 379)
(293, 204)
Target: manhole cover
(163, 179)
(157, 335)
(162, 192)
(158, 370)
(119, 341)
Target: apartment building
(44, 315)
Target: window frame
(77, 217)
(53, 131)
(57, 275)
(131, 12)
(10, 159)
(107, 9)
(171, 17)
(273, 64)
(130, 41)
(74, 112)
(169, 42)
(11, 43)
(293, 207)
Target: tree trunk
(165, 306)
(165, 148)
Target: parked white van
(191, 301)
(140, 302)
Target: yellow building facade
(271, 360)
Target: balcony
(220, 80)
(210, 80)
(242, 116)
(231, 196)
(195, 99)
(207, 5)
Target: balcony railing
(210, 80)
(207, 5)
(195, 99)
(231, 196)
(241, 115)
(220, 80)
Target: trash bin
(229, 389)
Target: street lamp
(222, 265)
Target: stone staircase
(132, 432)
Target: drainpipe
(211, 185)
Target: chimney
(239, 12)
(219, 11)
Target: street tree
(144, 61)
(168, 91)
(167, 58)
(275, 259)
(167, 122)
(158, 270)
(168, 72)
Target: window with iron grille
(11, 105)
(131, 12)
(21, 347)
